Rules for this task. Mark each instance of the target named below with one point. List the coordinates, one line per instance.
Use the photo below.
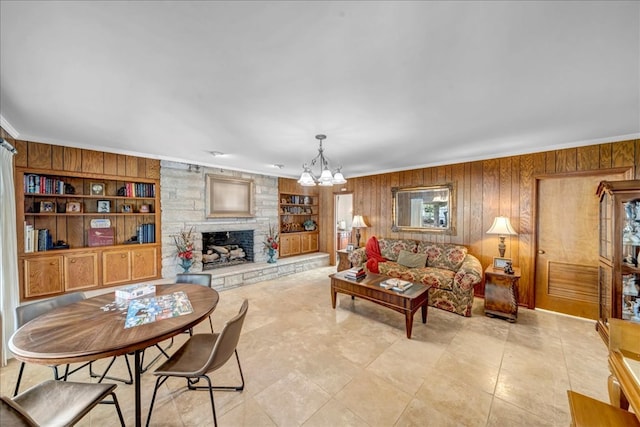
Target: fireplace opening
(226, 248)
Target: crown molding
(7, 126)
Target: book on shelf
(36, 240)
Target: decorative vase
(272, 254)
(186, 264)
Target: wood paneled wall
(51, 158)
(484, 189)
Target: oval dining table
(84, 331)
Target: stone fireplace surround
(183, 207)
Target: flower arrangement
(271, 241)
(184, 244)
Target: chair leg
(222, 387)
(143, 368)
(159, 381)
(15, 392)
(104, 374)
(213, 405)
(115, 401)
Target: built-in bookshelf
(93, 226)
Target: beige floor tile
(306, 363)
(292, 400)
(505, 414)
(248, 413)
(334, 413)
(374, 400)
(455, 398)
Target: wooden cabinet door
(43, 276)
(144, 263)
(309, 243)
(116, 267)
(289, 245)
(80, 271)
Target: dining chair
(201, 355)
(28, 312)
(191, 278)
(55, 403)
(196, 279)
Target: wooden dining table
(85, 331)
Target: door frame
(334, 228)
(628, 171)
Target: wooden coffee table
(407, 302)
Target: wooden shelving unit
(65, 191)
(298, 224)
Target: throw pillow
(411, 260)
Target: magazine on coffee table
(150, 309)
(396, 284)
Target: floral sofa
(451, 272)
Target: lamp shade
(501, 226)
(306, 180)
(338, 178)
(358, 222)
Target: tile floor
(306, 364)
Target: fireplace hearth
(226, 248)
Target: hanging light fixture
(326, 178)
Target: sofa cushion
(443, 255)
(437, 278)
(412, 260)
(393, 269)
(390, 248)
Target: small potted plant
(309, 225)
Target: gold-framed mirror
(428, 209)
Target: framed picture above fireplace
(229, 197)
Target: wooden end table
(501, 293)
(407, 302)
(343, 260)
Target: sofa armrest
(469, 274)
(358, 257)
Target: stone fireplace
(226, 248)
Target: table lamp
(502, 227)
(358, 223)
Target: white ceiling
(393, 85)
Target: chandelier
(326, 178)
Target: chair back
(28, 312)
(12, 415)
(228, 339)
(194, 278)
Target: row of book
(37, 239)
(355, 273)
(146, 233)
(39, 184)
(139, 189)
